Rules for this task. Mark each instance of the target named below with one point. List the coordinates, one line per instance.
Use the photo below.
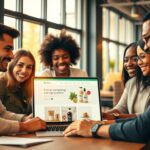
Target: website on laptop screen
(66, 99)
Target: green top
(14, 100)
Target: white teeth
(21, 76)
(131, 69)
(62, 67)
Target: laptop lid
(63, 100)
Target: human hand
(108, 116)
(82, 128)
(27, 118)
(32, 125)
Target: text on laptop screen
(66, 99)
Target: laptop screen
(66, 99)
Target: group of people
(129, 120)
(17, 70)
(58, 53)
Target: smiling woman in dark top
(16, 85)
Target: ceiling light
(134, 12)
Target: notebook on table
(60, 101)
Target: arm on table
(134, 130)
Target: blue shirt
(134, 130)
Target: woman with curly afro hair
(58, 53)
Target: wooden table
(78, 143)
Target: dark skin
(109, 115)
(61, 63)
(130, 64)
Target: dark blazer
(134, 130)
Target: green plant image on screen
(73, 97)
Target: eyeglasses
(132, 58)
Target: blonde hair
(27, 85)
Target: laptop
(60, 101)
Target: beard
(2, 60)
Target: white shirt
(74, 72)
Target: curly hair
(52, 43)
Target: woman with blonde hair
(16, 85)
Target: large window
(117, 34)
(35, 18)
(32, 8)
(13, 23)
(11, 5)
(51, 10)
(32, 41)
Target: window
(32, 41)
(113, 56)
(54, 31)
(121, 52)
(122, 30)
(105, 55)
(54, 13)
(36, 18)
(70, 13)
(12, 23)
(11, 5)
(117, 34)
(113, 26)
(129, 32)
(105, 23)
(32, 8)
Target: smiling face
(130, 61)
(61, 62)
(6, 51)
(23, 69)
(144, 61)
(146, 33)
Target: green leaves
(73, 97)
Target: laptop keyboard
(56, 128)
(52, 130)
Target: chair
(108, 84)
(118, 90)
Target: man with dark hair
(11, 122)
(8, 30)
(7, 35)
